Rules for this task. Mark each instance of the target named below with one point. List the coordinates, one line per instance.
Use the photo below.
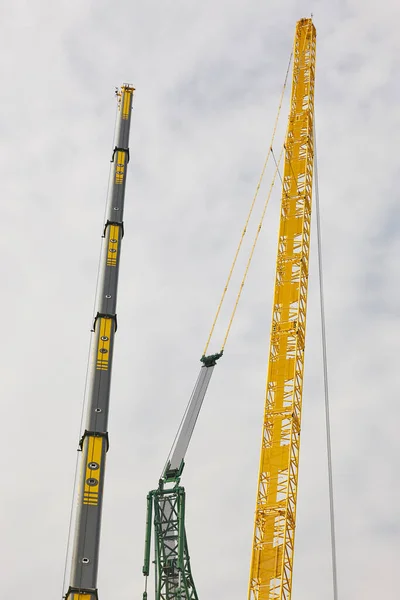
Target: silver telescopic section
(94, 443)
(189, 421)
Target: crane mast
(94, 442)
(275, 516)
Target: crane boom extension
(176, 462)
(94, 443)
(174, 579)
(275, 518)
(178, 454)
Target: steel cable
(250, 258)
(325, 371)
(249, 213)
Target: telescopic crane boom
(94, 442)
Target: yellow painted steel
(112, 250)
(83, 596)
(125, 93)
(103, 348)
(127, 101)
(273, 543)
(92, 474)
(120, 167)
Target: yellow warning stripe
(120, 168)
(103, 350)
(112, 251)
(126, 104)
(92, 473)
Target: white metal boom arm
(176, 463)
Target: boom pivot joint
(211, 359)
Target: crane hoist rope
(244, 231)
(246, 271)
(325, 377)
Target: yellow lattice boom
(275, 518)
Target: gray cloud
(208, 79)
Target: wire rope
(252, 251)
(325, 375)
(250, 210)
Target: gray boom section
(94, 443)
(189, 422)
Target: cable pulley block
(211, 359)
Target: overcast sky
(208, 77)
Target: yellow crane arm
(275, 517)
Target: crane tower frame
(271, 568)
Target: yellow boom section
(273, 544)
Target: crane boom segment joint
(102, 434)
(100, 315)
(120, 149)
(117, 224)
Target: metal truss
(275, 518)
